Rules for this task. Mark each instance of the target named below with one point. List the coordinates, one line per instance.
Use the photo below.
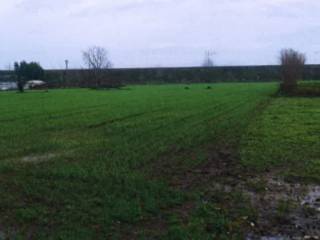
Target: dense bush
(27, 71)
(292, 66)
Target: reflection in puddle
(313, 198)
(309, 220)
(268, 238)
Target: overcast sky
(147, 33)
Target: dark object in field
(110, 87)
(209, 87)
(186, 88)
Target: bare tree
(97, 61)
(292, 65)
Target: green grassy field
(286, 136)
(87, 164)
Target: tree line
(97, 61)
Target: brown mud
(284, 210)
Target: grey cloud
(157, 32)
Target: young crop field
(199, 161)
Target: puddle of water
(267, 238)
(275, 238)
(313, 198)
(38, 158)
(303, 218)
(309, 220)
(303, 221)
(2, 236)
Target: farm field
(158, 162)
(282, 146)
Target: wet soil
(284, 210)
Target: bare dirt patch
(220, 164)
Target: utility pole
(208, 62)
(67, 64)
(65, 71)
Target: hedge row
(76, 77)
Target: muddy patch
(309, 220)
(221, 163)
(285, 210)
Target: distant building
(35, 84)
